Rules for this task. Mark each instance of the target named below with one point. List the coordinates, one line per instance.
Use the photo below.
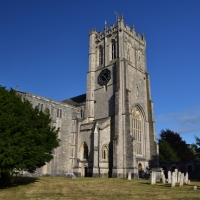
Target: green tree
(196, 147)
(178, 145)
(26, 137)
(166, 153)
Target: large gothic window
(138, 130)
(100, 55)
(113, 49)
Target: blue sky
(44, 50)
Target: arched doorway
(140, 170)
(86, 171)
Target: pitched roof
(76, 101)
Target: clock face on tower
(104, 77)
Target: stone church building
(110, 130)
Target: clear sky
(44, 50)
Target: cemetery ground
(95, 188)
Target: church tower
(110, 130)
(118, 103)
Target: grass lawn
(46, 188)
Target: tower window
(113, 49)
(40, 106)
(100, 55)
(59, 113)
(128, 51)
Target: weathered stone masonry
(110, 130)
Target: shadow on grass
(16, 181)
(157, 184)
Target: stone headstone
(176, 175)
(158, 171)
(195, 187)
(163, 178)
(169, 177)
(153, 178)
(179, 177)
(70, 175)
(186, 178)
(173, 183)
(129, 176)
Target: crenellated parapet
(130, 31)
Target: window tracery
(113, 49)
(138, 130)
(100, 55)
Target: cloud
(183, 122)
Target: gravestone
(181, 179)
(173, 183)
(70, 175)
(179, 176)
(129, 175)
(153, 178)
(158, 171)
(186, 178)
(169, 177)
(163, 178)
(176, 175)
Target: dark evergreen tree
(166, 153)
(178, 145)
(26, 137)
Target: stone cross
(169, 177)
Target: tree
(166, 153)
(26, 137)
(179, 146)
(196, 147)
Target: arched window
(100, 55)
(85, 151)
(128, 51)
(113, 49)
(140, 170)
(104, 153)
(138, 130)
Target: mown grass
(95, 188)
